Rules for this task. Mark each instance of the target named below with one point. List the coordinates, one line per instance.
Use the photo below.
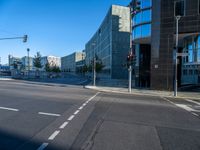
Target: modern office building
(111, 43)
(154, 41)
(14, 62)
(27, 63)
(68, 63)
(51, 60)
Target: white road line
(11, 109)
(43, 146)
(195, 114)
(187, 108)
(54, 135)
(70, 118)
(168, 100)
(80, 108)
(93, 96)
(48, 114)
(193, 101)
(76, 112)
(64, 125)
(84, 104)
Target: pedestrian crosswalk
(189, 105)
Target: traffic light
(131, 59)
(25, 38)
(137, 5)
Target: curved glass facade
(142, 20)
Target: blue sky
(54, 27)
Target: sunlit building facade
(111, 43)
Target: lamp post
(94, 65)
(175, 57)
(28, 50)
(130, 52)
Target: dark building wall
(163, 74)
(144, 65)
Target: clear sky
(54, 27)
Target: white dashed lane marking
(54, 135)
(64, 125)
(43, 146)
(11, 109)
(76, 112)
(80, 108)
(49, 114)
(70, 118)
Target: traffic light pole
(130, 66)
(130, 78)
(13, 38)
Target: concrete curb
(139, 93)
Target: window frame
(175, 7)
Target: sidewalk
(186, 95)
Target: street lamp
(94, 65)
(175, 57)
(28, 50)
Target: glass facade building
(142, 19)
(154, 40)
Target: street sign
(182, 54)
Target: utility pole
(175, 57)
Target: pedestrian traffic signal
(131, 59)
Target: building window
(146, 30)
(137, 32)
(190, 72)
(184, 72)
(146, 16)
(146, 3)
(137, 18)
(179, 8)
(199, 6)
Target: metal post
(94, 65)
(28, 50)
(175, 73)
(130, 67)
(130, 78)
(94, 73)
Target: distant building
(111, 43)
(14, 62)
(52, 60)
(80, 66)
(27, 63)
(4, 68)
(68, 63)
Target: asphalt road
(37, 117)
